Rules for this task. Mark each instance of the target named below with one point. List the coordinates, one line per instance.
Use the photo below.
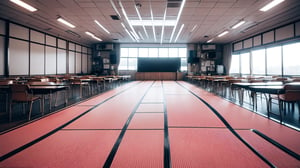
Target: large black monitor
(158, 64)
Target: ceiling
(211, 18)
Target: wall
(31, 52)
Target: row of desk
(62, 84)
(269, 87)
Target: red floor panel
(211, 148)
(67, 149)
(140, 148)
(272, 153)
(154, 108)
(187, 111)
(112, 114)
(239, 117)
(105, 95)
(147, 121)
(30, 132)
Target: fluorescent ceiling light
(65, 22)
(152, 22)
(178, 17)
(93, 36)
(138, 12)
(24, 5)
(127, 31)
(114, 7)
(179, 32)
(222, 34)
(195, 26)
(271, 5)
(163, 27)
(126, 18)
(209, 40)
(238, 24)
(102, 27)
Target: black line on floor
(116, 146)
(167, 153)
(275, 143)
(148, 112)
(23, 147)
(197, 127)
(90, 129)
(230, 128)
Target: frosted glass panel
(78, 48)
(71, 62)
(50, 40)
(268, 37)
(61, 61)
(50, 60)
(84, 63)
(2, 27)
(18, 31)
(89, 63)
(1, 55)
(18, 57)
(37, 37)
(62, 43)
(297, 25)
(248, 43)
(84, 50)
(72, 46)
(257, 40)
(78, 63)
(284, 32)
(238, 46)
(36, 59)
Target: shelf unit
(101, 58)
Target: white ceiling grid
(211, 17)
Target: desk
(247, 85)
(268, 90)
(48, 89)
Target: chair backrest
(292, 92)
(19, 92)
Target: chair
(20, 94)
(291, 95)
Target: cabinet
(210, 57)
(102, 59)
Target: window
(245, 63)
(129, 56)
(291, 65)
(259, 62)
(143, 52)
(274, 61)
(235, 64)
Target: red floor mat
(112, 114)
(206, 147)
(67, 149)
(147, 121)
(272, 153)
(154, 108)
(187, 111)
(239, 117)
(30, 132)
(140, 148)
